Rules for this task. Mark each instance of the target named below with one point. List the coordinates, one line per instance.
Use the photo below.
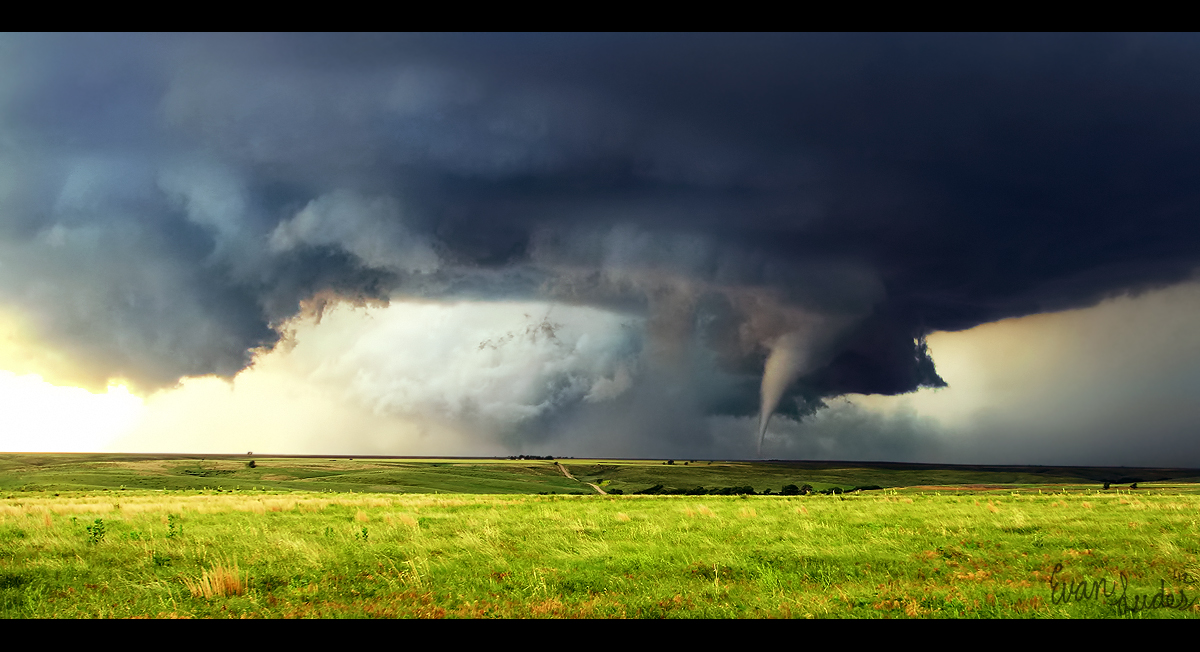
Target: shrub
(96, 531)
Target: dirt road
(568, 474)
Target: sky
(927, 248)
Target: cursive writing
(1117, 595)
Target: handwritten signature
(1118, 595)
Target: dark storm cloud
(168, 200)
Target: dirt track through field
(568, 474)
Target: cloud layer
(169, 203)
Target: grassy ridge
(72, 472)
(81, 472)
(631, 477)
(879, 554)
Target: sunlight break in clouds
(409, 379)
(36, 416)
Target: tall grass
(886, 554)
(217, 582)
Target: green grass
(80, 472)
(631, 477)
(880, 554)
(75, 472)
(191, 536)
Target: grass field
(911, 550)
(74, 472)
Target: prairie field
(993, 551)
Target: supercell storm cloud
(782, 218)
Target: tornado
(788, 359)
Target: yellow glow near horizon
(1116, 358)
(1039, 367)
(36, 416)
(23, 351)
(42, 406)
